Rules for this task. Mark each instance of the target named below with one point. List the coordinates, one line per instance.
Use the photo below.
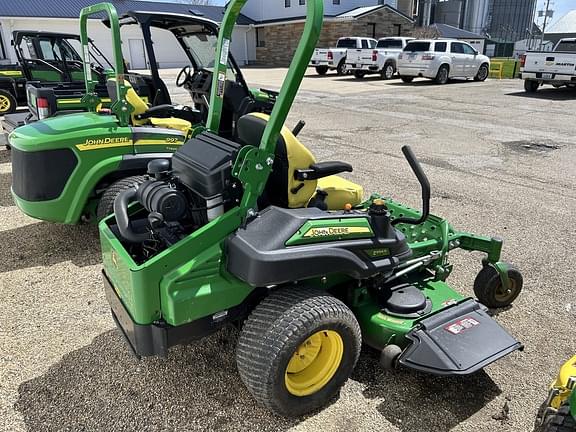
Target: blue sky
(560, 8)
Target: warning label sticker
(221, 84)
(225, 52)
(461, 325)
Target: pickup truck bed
(379, 60)
(557, 68)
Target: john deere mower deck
(255, 232)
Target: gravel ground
(500, 163)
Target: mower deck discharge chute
(255, 232)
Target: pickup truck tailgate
(359, 56)
(320, 55)
(559, 63)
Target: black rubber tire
(407, 79)
(106, 203)
(531, 86)
(561, 421)
(442, 77)
(483, 72)
(385, 73)
(13, 103)
(274, 331)
(341, 69)
(321, 70)
(389, 357)
(488, 283)
(359, 74)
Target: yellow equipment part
(172, 123)
(564, 384)
(314, 363)
(140, 107)
(340, 191)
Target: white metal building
(62, 16)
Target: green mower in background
(252, 231)
(558, 412)
(70, 168)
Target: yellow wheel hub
(314, 363)
(4, 103)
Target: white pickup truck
(380, 60)
(325, 59)
(557, 68)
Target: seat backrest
(137, 103)
(282, 189)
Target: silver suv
(441, 60)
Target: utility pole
(545, 22)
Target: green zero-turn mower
(558, 412)
(70, 168)
(255, 232)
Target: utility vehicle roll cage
(180, 26)
(60, 40)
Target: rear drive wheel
(490, 291)
(561, 421)
(531, 86)
(388, 71)
(297, 349)
(359, 74)
(321, 70)
(483, 73)
(341, 69)
(8, 103)
(106, 204)
(407, 79)
(443, 75)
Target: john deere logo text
(107, 141)
(96, 144)
(336, 231)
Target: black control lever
(424, 183)
(298, 128)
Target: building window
(302, 2)
(286, 3)
(398, 29)
(3, 54)
(336, 2)
(372, 30)
(260, 42)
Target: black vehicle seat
(284, 187)
(140, 107)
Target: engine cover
(204, 164)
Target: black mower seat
(296, 176)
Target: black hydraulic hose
(424, 183)
(121, 212)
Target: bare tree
(429, 32)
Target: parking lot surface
(500, 163)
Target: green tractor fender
(86, 189)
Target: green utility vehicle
(52, 79)
(43, 57)
(558, 412)
(69, 169)
(252, 231)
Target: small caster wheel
(490, 291)
(389, 356)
